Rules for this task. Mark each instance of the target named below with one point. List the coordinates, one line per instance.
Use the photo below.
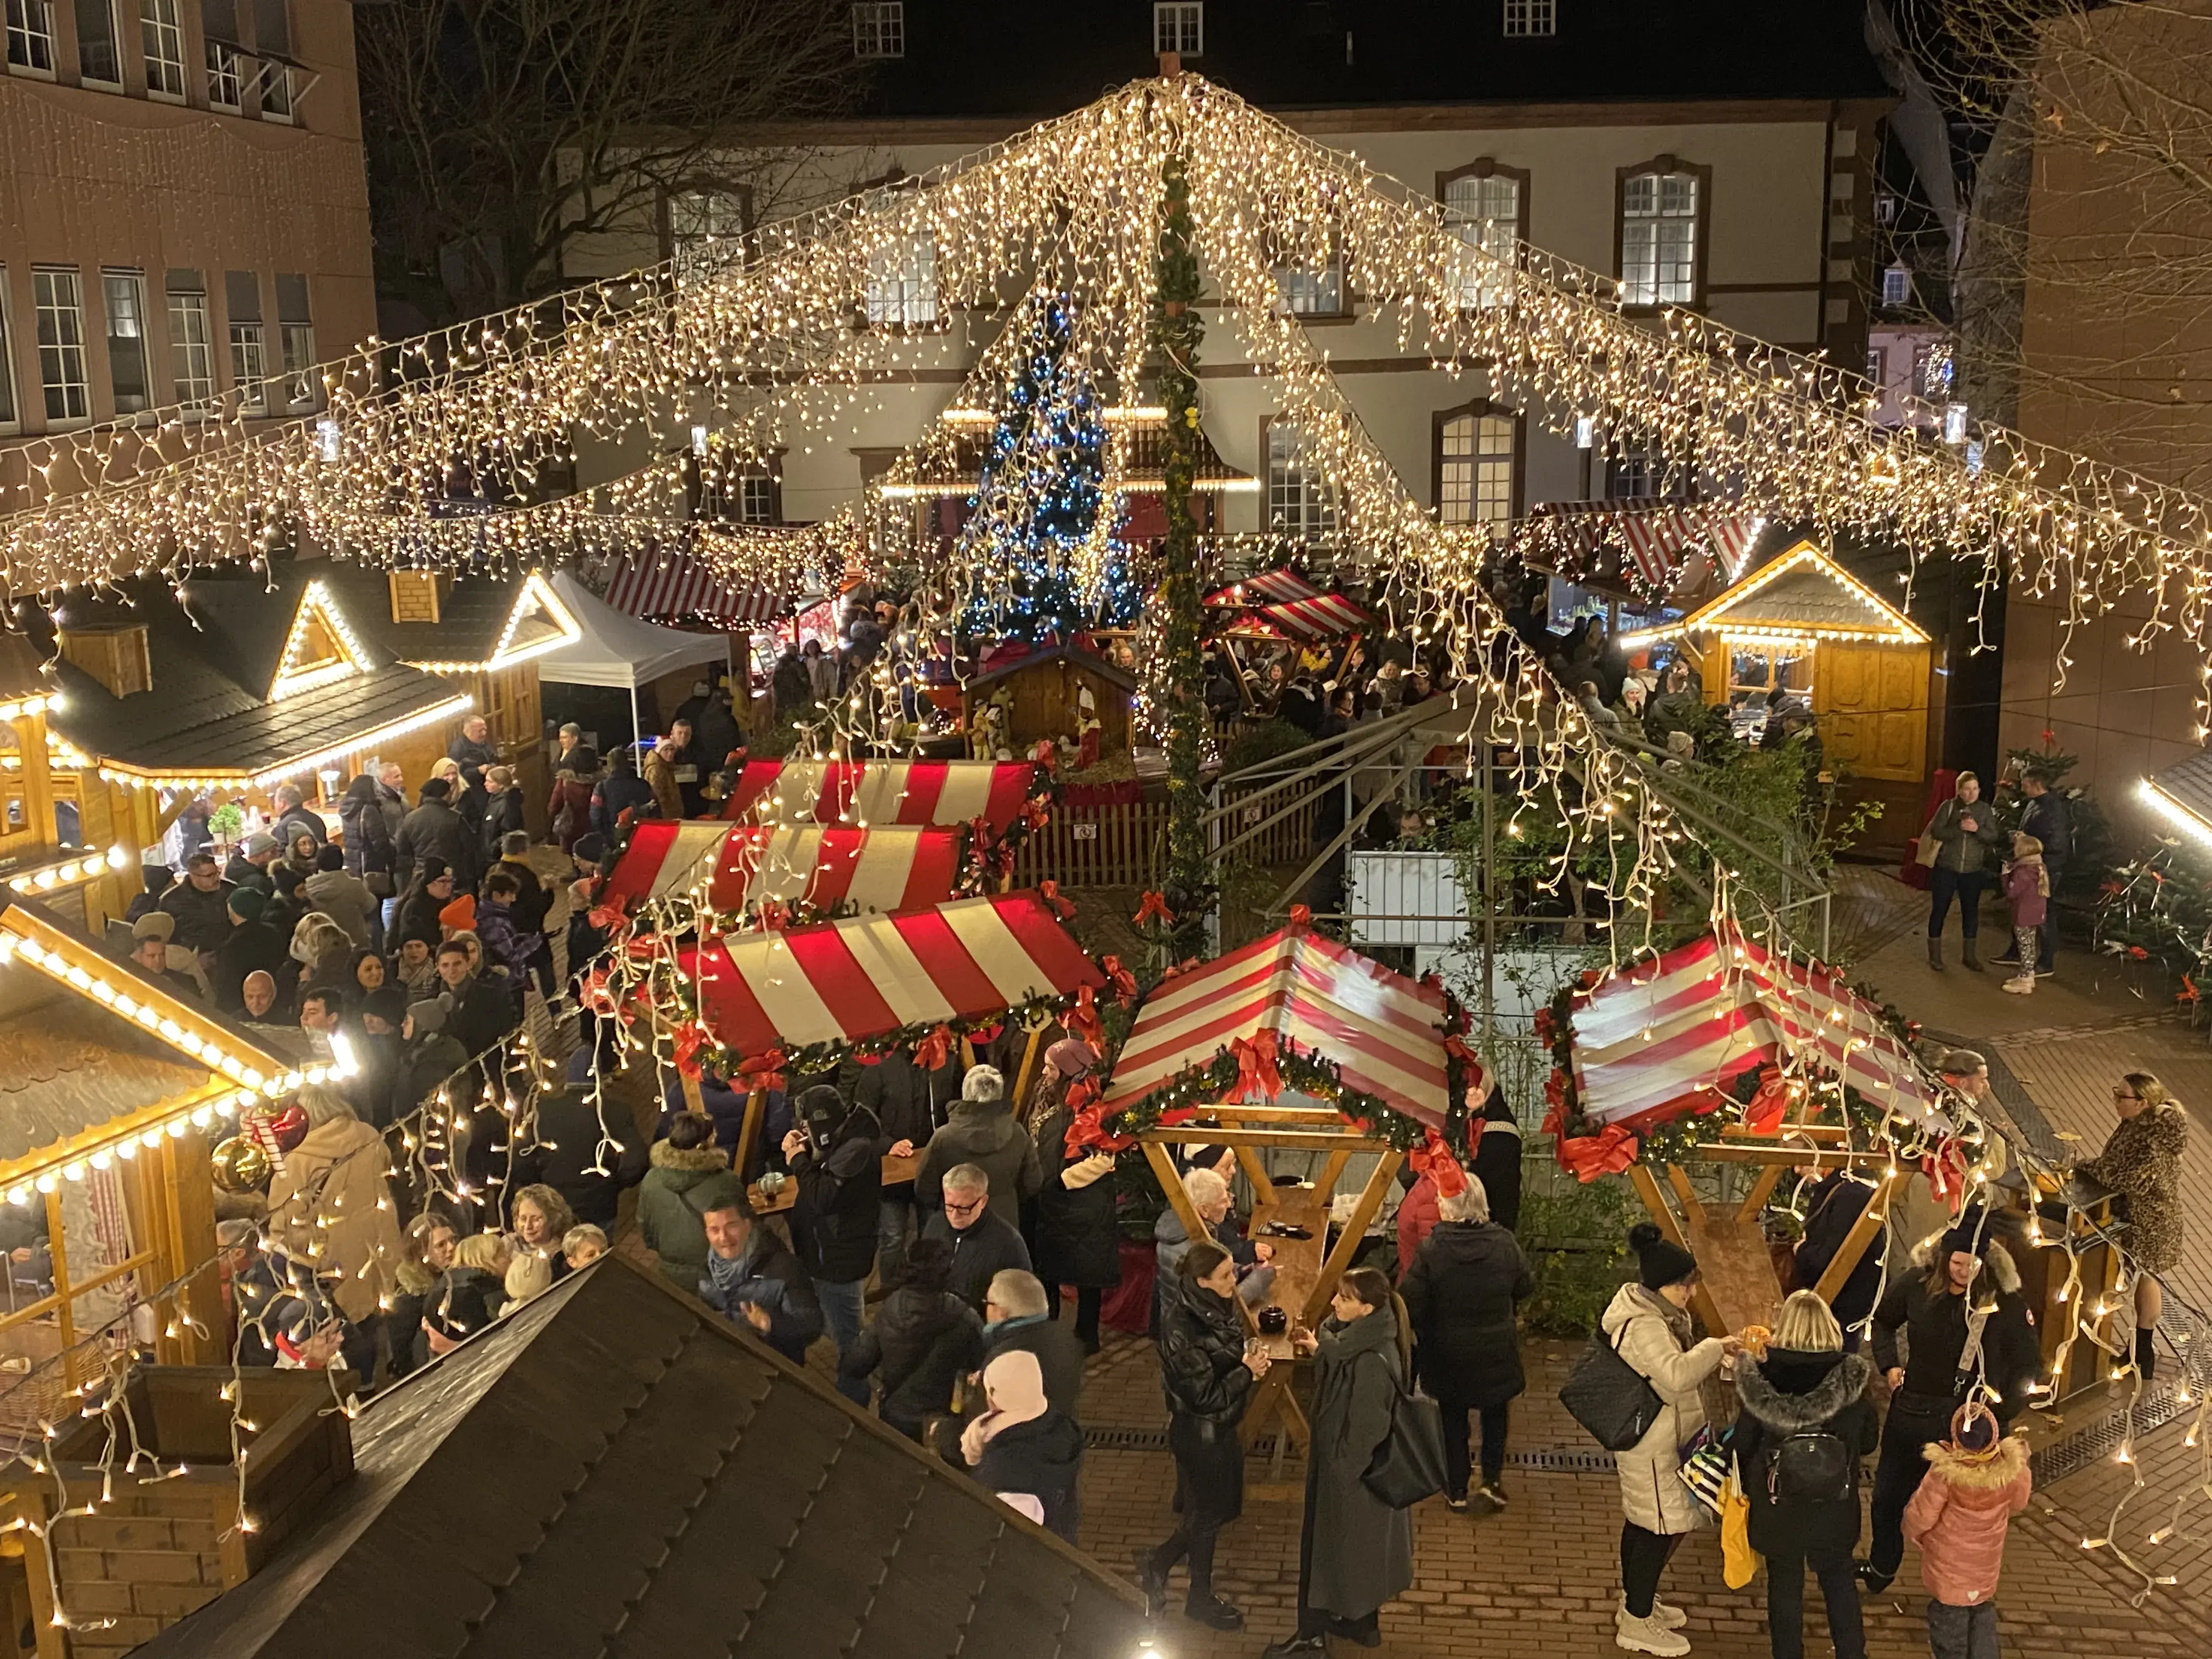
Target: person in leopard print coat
(2141, 1162)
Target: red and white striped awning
(1325, 616)
(1653, 536)
(875, 869)
(850, 981)
(1283, 587)
(871, 793)
(655, 585)
(1652, 1044)
(1384, 1029)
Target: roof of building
(215, 651)
(614, 1471)
(2187, 785)
(1802, 593)
(1074, 655)
(480, 616)
(1351, 54)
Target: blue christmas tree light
(1048, 458)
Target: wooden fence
(1126, 846)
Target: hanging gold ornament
(239, 1165)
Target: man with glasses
(982, 1244)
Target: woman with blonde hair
(1805, 1422)
(469, 1295)
(2141, 1162)
(330, 1205)
(542, 1221)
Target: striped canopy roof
(1325, 616)
(875, 869)
(1384, 1029)
(661, 585)
(871, 793)
(850, 981)
(1652, 1044)
(1269, 588)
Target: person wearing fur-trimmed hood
(1805, 1424)
(1976, 1481)
(1967, 1336)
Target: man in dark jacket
(200, 904)
(586, 1156)
(431, 1054)
(981, 1242)
(249, 865)
(251, 946)
(434, 831)
(909, 1102)
(2049, 817)
(831, 1153)
(295, 817)
(751, 1277)
(1459, 1295)
(478, 1014)
(1015, 1317)
(980, 1132)
(923, 1339)
(621, 791)
(1833, 1208)
(1967, 1279)
(473, 751)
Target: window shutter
(219, 18)
(292, 299)
(241, 293)
(182, 281)
(272, 27)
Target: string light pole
(1177, 330)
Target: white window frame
(249, 366)
(1314, 291)
(303, 387)
(226, 82)
(31, 37)
(901, 289)
(1299, 504)
(1474, 480)
(1484, 211)
(58, 294)
(127, 321)
(11, 409)
(1527, 19)
(1877, 366)
(698, 219)
(879, 28)
(1659, 237)
(756, 496)
(1896, 286)
(1179, 27)
(114, 44)
(162, 42)
(273, 89)
(192, 354)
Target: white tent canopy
(620, 651)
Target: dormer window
(1531, 17)
(1179, 27)
(879, 29)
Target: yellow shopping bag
(1739, 1561)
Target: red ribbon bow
(1301, 917)
(1037, 813)
(774, 915)
(1082, 1020)
(934, 1050)
(980, 839)
(1764, 1115)
(1946, 1169)
(690, 1038)
(1087, 1128)
(607, 918)
(1153, 907)
(1049, 889)
(1119, 980)
(764, 1071)
(1433, 1159)
(1256, 1076)
(1609, 1152)
(1455, 1048)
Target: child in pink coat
(1976, 1481)
(2027, 889)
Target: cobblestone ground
(1539, 1581)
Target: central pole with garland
(1177, 330)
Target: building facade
(184, 214)
(1716, 156)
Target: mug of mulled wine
(1274, 1321)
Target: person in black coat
(2048, 816)
(252, 947)
(621, 791)
(910, 1102)
(1967, 1269)
(831, 1153)
(1023, 1445)
(574, 1157)
(503, 811)
(982, 1243)
(1496, 1161)
(1207, 1375)
(1459, 1295)
(434, 831)
(430, 891)
(479, 1012)
(1833, 1208)
(1805, 1424)
(1077, 1242)
(922, 1339)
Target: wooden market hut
(1802, 628)
(1041, 693)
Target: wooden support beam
(1854, 1247)
(1029, 1071)
(1331, 1173)
(1694, 1212)
(1826, 1134)
(748, 1131)
(1348, 1242)
(1163, 1171)
(1305, 1140)
(1670, 1227)
(1264, 1201)
(1786, 1157)
(1761, 1190)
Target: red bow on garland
(934, 1050)
(1455, 1048)
(1433, 1159)
(980, 837)
(1609, 1152)
(1049, 889)
(1037, 812)
(1087, 1127)
(764, 1071)
(1763, 1117)
(1119, 980)
(1153, 907)
(610, 920)
(1256, 1076)
(774, 915)
(690, 1038)
(1946, 1169)
(1183, 967)
(1082, 1020)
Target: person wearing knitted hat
(1967, 1338)
(1649, 1326)
(1976, 1481)
(253, 946)
(429, 1056)
(431, 891)
(1077, 1240)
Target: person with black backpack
(1805, 1424)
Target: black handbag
(1609, 1397)
(1408, 1465)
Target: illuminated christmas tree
(1038, 501)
